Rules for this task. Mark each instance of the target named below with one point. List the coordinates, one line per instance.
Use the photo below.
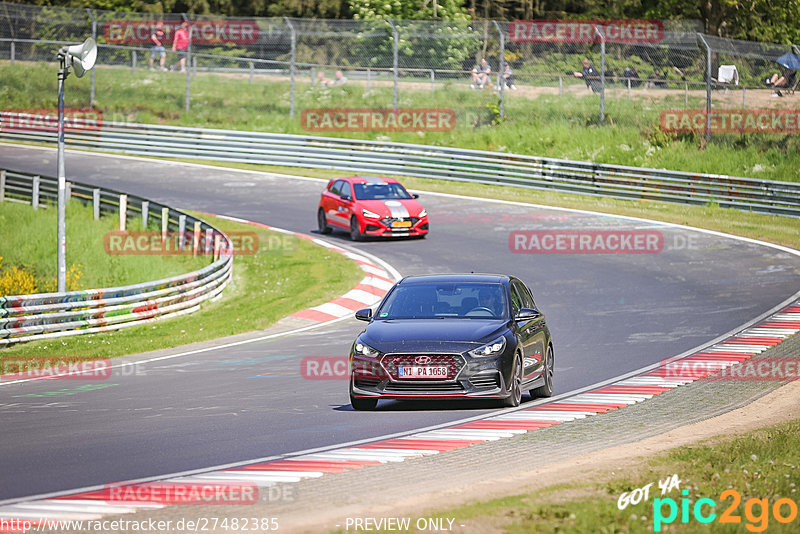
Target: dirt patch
(779, 406)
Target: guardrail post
(123, 212)
(145, 213)
(216, 246)
(2, 185)
(181, 231)
(196, 238)
(68, 194)
(164, 223)
(96, 203)
(35, 194)
(133, 62)
(208, 241)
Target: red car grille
(454, 363)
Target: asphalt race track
(608, 313)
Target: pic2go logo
(756, 511)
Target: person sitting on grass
(480, 75)
(508, 77)
(339, 78)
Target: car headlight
(369, 214)
(423, 213)
(490, 349)
(362, 349)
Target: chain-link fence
(279, 71)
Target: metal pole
(133, 62)
(292, 66)
(395, 61)
(368, 77)
(708, 87)
(188, 68)
(501, 69)
(62, 185)
(433, 81)
(602, 74)
(13, 50)
(744, 96)
(94, 36)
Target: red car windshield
(379, 191)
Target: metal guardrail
(426, 161)
(49, 315)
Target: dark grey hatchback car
(452, 336)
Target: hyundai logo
(422, 360)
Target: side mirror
(364, 314)
(348, 198)
(526, 314)
(415, 195)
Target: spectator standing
(589, 75)
(480, 75)
(181, 44)
(157, 36)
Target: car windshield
(379, 191)
(462, 300)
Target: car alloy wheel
(515, 387)
(546, 389)
(355, 233)
(322, 222)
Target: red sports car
(371, 206)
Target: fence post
(181, 231)
(708, 87)
(2, 185)
(94, 36)
(433, 81)
(629, 88)
(395, 51)
(133, 62)
(196, 238)
(744, 96)
(164, 223)
(35, 194)
(602, 74)
(252, 70)
(123, 212)
(13, 51)
(560, 85)
(292, 65)
(96, 203)
(369, 73)
(188, 68)
(500, 69)
(686, 94)
(145, 213)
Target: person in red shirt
(157, 37)
(181, 43)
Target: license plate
(422, 371)
(401, 224)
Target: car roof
(372, 179)
(452, 278)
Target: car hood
(447, 335)
(396, 208)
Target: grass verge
(761, 467)
(86, 257)
(536, 122)
(266, 286)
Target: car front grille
(491, 381)
(389, 220)
(454, 363)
